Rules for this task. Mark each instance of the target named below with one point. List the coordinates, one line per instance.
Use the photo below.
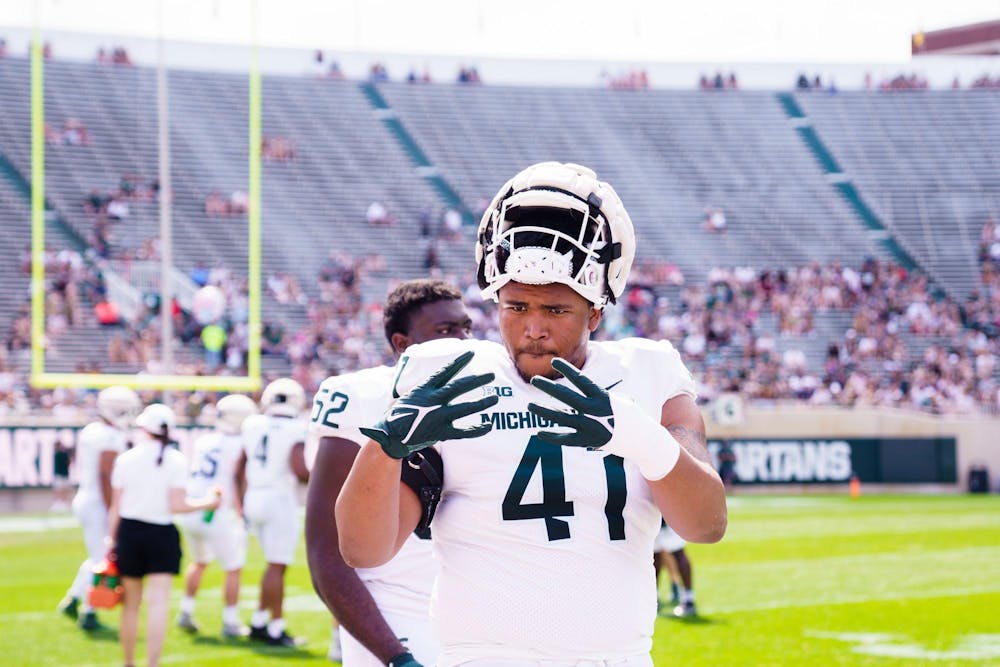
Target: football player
(97, 446)
(561, 459)
(273, 463)
(668, 551)
(218, 534)
(383, 611)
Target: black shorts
(148, 548)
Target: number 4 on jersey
(554, 503)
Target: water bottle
(111, 572)
(99, 571)
(208, 515)
(107, 570)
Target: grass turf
(887, 581)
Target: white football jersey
(342, 404)
(214, 465)
(545, 551)
(95, 438)
(268, 441)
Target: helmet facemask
(544, 233)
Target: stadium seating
(927, 163)
(922, 161)
(670, 154)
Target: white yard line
(36, 524)
(849, 599)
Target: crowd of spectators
(986, 81)
(634, 79)
(321, 69)
(218, 205)
(117, 56)
(413, 77)
(468, 75)
(719, 82)
(804, 83)
(378, 72)
(901, 81)
(72, 132)
(721, 331)
(107, 208)
(745, 330)
(277, 149)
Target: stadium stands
(927, 163)
(922, 162)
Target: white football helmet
(118, 406)
(284, 398)
(556, 223)
(157, 419)
(233, 409)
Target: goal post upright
(248, 383)
(253, 216)
(37, 203)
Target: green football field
(801, 580)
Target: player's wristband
(639, 438)
(404, 660)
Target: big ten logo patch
(494, 390)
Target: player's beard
(535, 361)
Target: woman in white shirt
(148, 486)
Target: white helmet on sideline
(284, 398)
(118, 406)
(556, 223)
(157, 419)
(233, 409)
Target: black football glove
(637, 437)
(424, 415)
(593, 421)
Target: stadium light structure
(166, 381)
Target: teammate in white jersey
(568, 459)
(218, 534)
(97, 446)
(383, 611)
(272, 464)
(669, 554)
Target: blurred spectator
(986, 81)
(239, 203)
(120, 57)
(318, 64)
(452, 224)
(334, 71)
(216, 205)
(903, 82)
(468, 75)
(277, 149)
(378, 73)
(715, 220)
(637, 79)
(378, 214)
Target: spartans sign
(817, 461)
(27, 452)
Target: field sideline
(811, 580)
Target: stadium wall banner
(825, 461)
(26, 452)
(26, 457)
